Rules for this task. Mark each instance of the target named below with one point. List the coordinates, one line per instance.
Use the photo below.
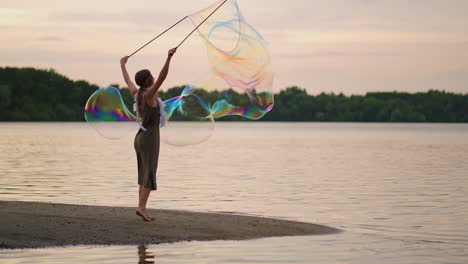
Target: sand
(30, 225)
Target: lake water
(399, 191)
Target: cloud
(308, 55)
(13, 12)
(354, 54)
(51, 38)
(55, 57)
(136, 17)
(80, 17)
(10, 16)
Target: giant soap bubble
(189, 119)
(106, 112)
(239, 82)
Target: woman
(147, 139)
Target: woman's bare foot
(142, 213)
(150, 217)
(146, 213)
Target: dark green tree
(28, 94)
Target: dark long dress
(147, 146)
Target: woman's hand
(171, 52)
(124, 60)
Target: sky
(348, 46)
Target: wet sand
(30, 225)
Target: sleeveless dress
(147, 146)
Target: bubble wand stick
(174, 26)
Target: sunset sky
(349, 46)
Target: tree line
(28, 94)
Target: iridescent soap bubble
(189, 119)
(107, 113)
(240, 64)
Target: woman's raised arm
(131, 86)
(162, 75)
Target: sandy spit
(30, 225)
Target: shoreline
(37, 225)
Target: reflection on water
(399, 190)
(347, 247)
(145, 256)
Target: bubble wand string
(174, 26)
(156, 37)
